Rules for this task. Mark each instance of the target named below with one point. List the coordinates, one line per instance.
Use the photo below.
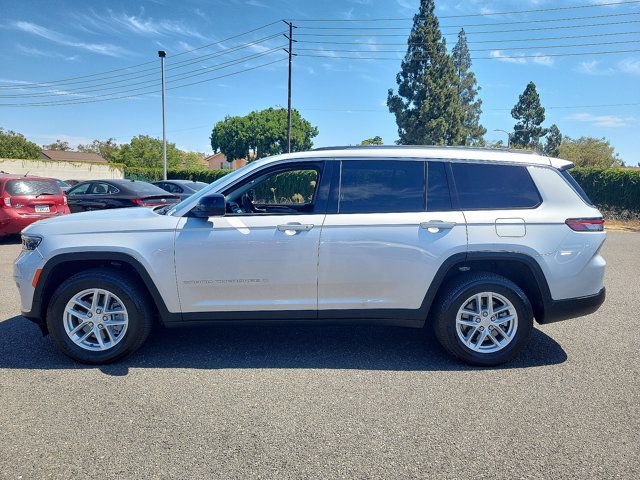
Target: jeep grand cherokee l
(473, 243)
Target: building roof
(66, 156)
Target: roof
(16, 176)
(430, 152)
(67, 156)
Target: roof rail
(426, 147)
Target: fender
(43, 288)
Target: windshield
(32, 187)
(213, 187)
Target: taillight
(138, 201)
(7, 201)
(585, 224)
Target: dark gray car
(182, 188)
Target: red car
(24, 200)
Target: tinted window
(378, 186)
(142, 188)
(438, 196)
(485, 186)
(102, 188)
(32, 187)
(576, 186)
(81, 189)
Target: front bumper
(558, 310)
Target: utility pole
(508, 136)
(162, 54)
(290, 52)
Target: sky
(59, 41)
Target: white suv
(474, 243)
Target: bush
(614, 189)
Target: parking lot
(328, 402)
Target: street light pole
(162, 54)
(508, 136)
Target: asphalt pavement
(328, 402)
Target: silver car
(474, 243)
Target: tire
(127, 316)
(453, 322)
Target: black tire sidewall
(115, 285)
(525, 322)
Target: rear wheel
(483, 319)
(99, 316)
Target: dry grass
(622, 225)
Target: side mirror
(213, 205)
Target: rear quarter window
(576, 186)
(488, 186)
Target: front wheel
(483, 319)
(99, 316)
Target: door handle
(434, 226)
(295, 227)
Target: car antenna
(27, 173)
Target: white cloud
(521, 59)
(593, 67)
(150, 26)
(36, 52)
(61, 39)
(605, 121)
(630, 65)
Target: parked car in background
(64, 186)
(104, 194)
(73, 183)
(182, 188)
(25, 200)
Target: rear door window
(32, 187)
(102, 188)
(482, 186)
(382, 186)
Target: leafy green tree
(468, 92)
(57, 145)
(146, 151)
(107, 149)
(589, 152)
(554, 139)
(15, 145)
(529, 114)
(261, 133)
(377, 140)
(427, 106)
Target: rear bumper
(558, 310)
(14, 223)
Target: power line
(515, 22)
(181, 76)
(144, 63)
(477, 41)
(50, 104)
(404, 35)
(176, 65)
(368, 109)
(474, 50)
(501, 57)
(536, 10)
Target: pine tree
(427, 107)
(468, 91)
(529, 114)
(554, 139)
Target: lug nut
(98, 310)
(91, 324)
(477, 319)
(484, 314)
(100, 326)
(104, 318)
(481, 329)
(89, 314)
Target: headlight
(30, 242)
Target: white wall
(61, 170)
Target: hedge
(611, 188)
